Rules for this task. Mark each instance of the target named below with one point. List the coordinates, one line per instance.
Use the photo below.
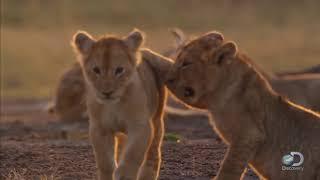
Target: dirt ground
(34, 145)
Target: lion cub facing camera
(260, 126)
(124, 95)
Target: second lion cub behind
(124, 95)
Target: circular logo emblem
(287, 160)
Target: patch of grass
(172, 137)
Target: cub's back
(153, 86)
(70, 91)
(301, 89)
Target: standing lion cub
(69, 105)
(124, 95)
(260, 126)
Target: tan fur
(300, 87)
(71, 89)
(124, 95)
(313, 69)
(259, 126)
(69, 101)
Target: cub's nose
(107, 93)
(188, 92)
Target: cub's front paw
(148, 173)
(123, 177)
(105, 176)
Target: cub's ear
(214, 36)
(82, 42)
(179, 37)
(134, 40)
(225, 53)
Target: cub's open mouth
(188, 92)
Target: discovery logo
(292, 162)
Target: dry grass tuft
(20, 175)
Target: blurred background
(36, 34)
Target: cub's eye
(220, 59)
(118, 71)
(96, 70)
(186, 63)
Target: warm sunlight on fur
(84, 96)
(289, 84)
(124, 94)
(259, 125)
(68, 102)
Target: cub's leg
(237, 158)
(121, 144)
(139, 139)
(151, 168)
(103, 146)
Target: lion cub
(124, 95)
(69, 105)
(259, 126)
(300, 87)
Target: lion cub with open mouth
(124, 95)
(259, 126)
